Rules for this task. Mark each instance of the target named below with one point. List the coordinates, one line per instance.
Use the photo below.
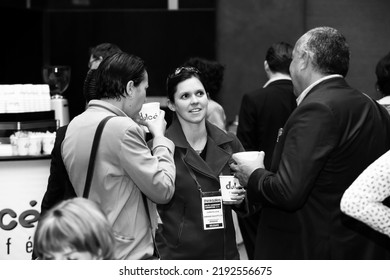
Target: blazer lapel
(216, 156)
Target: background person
(75, 229)
(382, 72)
(263, 113)
(100, 52)
(331, 137)
(202, 153)
(125, 168)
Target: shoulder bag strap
(91, 164)
(156, 253)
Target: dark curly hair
(104, 50)
(89, 88)
(382, 72)
(211, 72)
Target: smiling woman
(202, 153)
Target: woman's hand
(238, 196)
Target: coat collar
(310, 88)
(217, 156)
(107, 106)
(176, 134)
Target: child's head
(74, 229)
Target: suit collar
(310, 88)
(279, 79)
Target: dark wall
(366, 25)
(245, 29)
(21, 46)
(164, 39)
(236, 32)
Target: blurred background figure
(212, 76)
(100, 52)
(263, 113)
(382, 72)
(75, 229)
(364, 199)
(96, 56)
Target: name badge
(212, 210)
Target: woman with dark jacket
(202, 153)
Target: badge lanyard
(212, 205)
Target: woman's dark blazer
(181, 235)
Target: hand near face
(244, 168)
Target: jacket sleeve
(311, 135)
(153, 171)
(247, 124)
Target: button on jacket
(124, 169)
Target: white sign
(23, 184)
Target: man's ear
(266, 66)
(171, 106)
(130, 88)
(305, 59)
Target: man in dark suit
(332, 136)
(263, 113)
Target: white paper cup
(228, 183)
(245, 156)
(23, 145)
(35, 146)
(149, 112)
(48, 143)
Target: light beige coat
(124, 168)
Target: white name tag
(212, 212)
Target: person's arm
(363, 200)
(153, 171)
(309, 140)
(247, 124)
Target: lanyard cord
(192, 174)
